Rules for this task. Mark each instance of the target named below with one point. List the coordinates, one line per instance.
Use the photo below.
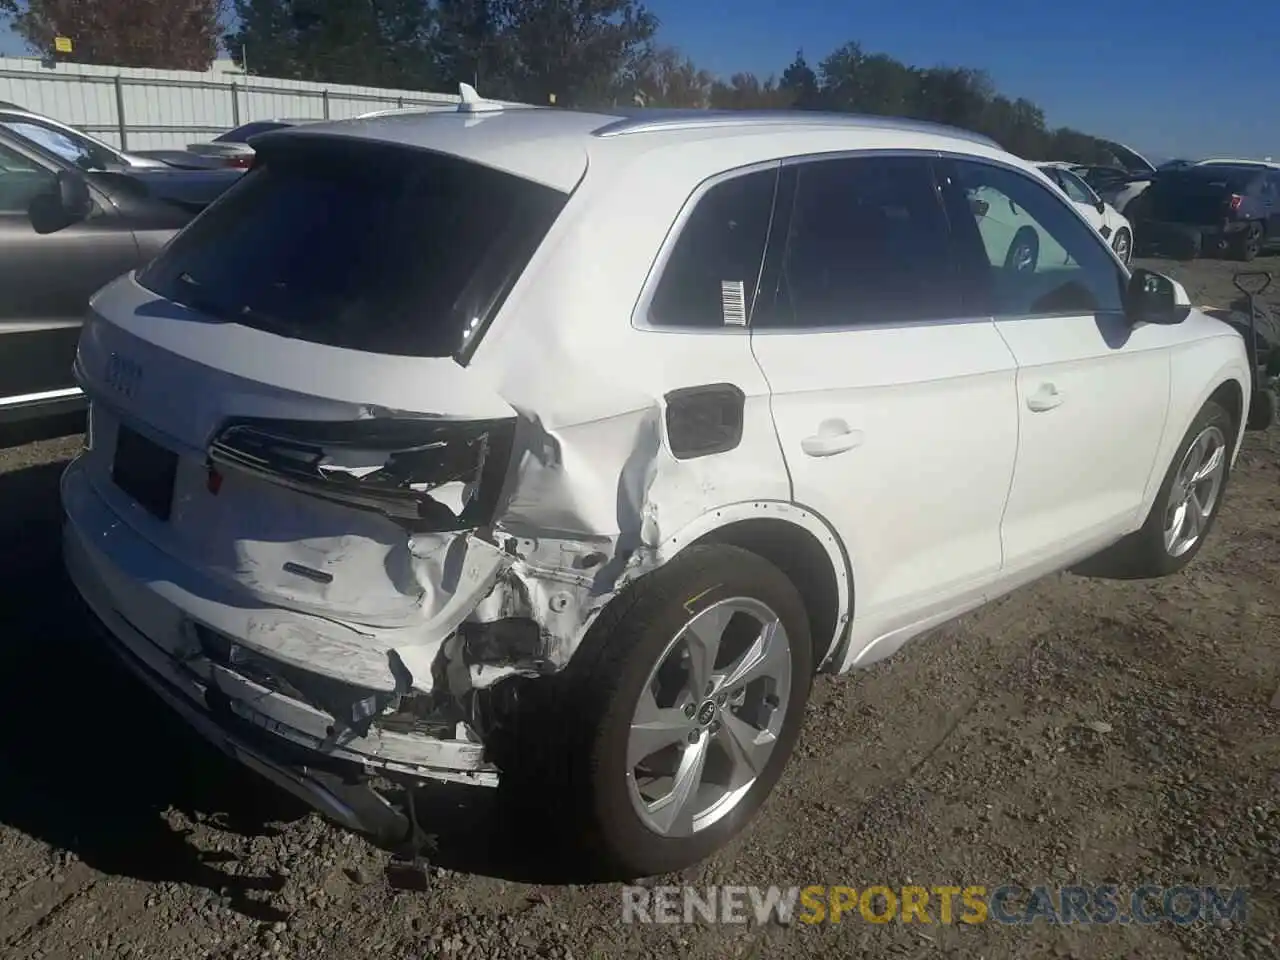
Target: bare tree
(162, 34)
(664, 77)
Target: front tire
(1185, 507)
(681, 709)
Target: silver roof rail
(652, 120)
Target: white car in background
(381, 484)
(1114, 227)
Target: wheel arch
(1230, 386)
(799, 543)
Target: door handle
(1045, 398)
(833, 436)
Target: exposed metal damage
(506, 579)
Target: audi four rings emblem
(123, 375)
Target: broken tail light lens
(436, 475)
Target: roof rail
(631, 121)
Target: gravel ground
(1075, 732)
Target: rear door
(46, 281)
(1092, 390)
(893, 400)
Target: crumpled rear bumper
(340, 790)
(292, 742)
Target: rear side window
(363, 246)
(717, 256)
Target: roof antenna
(472, 102)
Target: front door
(46, 282)
(1092, 390)
(894, 405)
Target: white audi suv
(561, 449)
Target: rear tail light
(435, 475)
(1233, 204)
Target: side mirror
(68, 202)
(1154, 298)
(1100, 206)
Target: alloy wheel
(1195, 491)
(1122, 246)
(708, 717)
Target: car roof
(553, 146)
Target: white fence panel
(143, 109)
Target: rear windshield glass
(357, 245)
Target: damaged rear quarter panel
(593, 491)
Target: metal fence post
(324, 96)
(235, 105)
(121, 123)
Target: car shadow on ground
(91, 761)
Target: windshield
(85, 153)
(359, 245)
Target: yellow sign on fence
(62, 44)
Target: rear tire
(1248, 244)
(629, 687)
(1184, 510)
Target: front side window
(714, 266)
(867, 243)
(362, 246)
(21, 181)
(1033, 254)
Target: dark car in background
(1213, 208)
(64, 233)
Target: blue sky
(1168, 78)
(1171, 78)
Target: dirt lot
(1075, 732)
